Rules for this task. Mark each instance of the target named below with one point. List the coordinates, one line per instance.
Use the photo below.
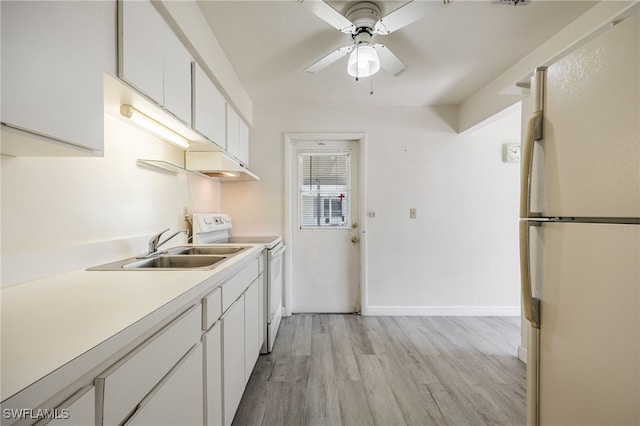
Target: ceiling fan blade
(329, 59)
(402, 16)
(328, 14)
(389, 61)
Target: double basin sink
(201, 258)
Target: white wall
(68, 209)
(460, 256)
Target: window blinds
(325, 189)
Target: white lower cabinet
(79, 410)
(213, 375)
(191, 368)
(177, 399)
(252, 341)
(233, 376)
(122, 387)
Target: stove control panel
(209, 222)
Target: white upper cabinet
(237, 136)
(177, 77)
(54, 55)
(243, 143)
(232, 131)
(153, 59)
(209, 108)
(142, 48)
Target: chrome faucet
(154, 242)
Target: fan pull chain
(371, 91)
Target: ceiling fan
(363, 22)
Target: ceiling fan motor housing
(364, 16)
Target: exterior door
(325, 214)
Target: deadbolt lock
(354, 225)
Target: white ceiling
(451, 53)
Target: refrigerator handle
(534, 133)
(530, 304)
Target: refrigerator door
(588, 361)
(591, 148)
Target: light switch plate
(412, 213)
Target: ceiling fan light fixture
(363, 61)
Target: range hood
(219, 165)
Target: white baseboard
(453, 311)
(522, 354)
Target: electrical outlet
(412, 213)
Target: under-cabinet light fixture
(229, 174)
(222, 174)
(153, 126)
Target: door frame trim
(289, 222)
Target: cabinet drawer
(211, 308)
(178, 399)
(121, 387)
(237, 284)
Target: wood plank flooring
(349, 370)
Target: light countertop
(48, 322)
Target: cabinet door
(123, 385)
(232, 131)
(78, 411)
(177, 400)
(141, 49)
(237, 136)
(177, 77)
(213, 367)
(209, 108)
(54, 55)
(233, 358)
(243, 142)
(251, 327)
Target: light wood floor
(354, 370)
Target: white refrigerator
(580, 234)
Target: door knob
(355, 240)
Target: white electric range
(213, 228)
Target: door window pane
(325, 189)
